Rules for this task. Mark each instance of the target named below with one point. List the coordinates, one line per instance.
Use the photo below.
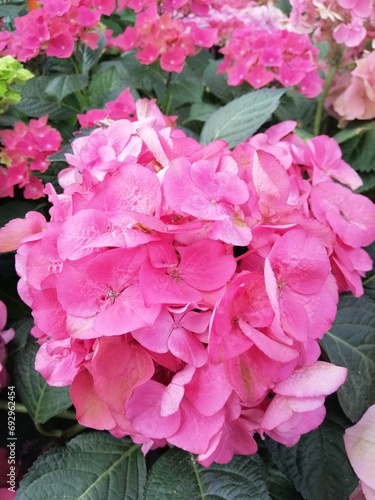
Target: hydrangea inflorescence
(181, 289)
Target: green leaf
(63, 85)
(317, 464)
(176, 475)
(369, 282)
(35, 102)
(22, 331)
(196, 66)
(241, 118)
(105, 86)
(13, 9)
(218, 84)
(294, 105)
(185, 91)
(351, 343)
(368, 180)
(86, 57)
(280, 487)
(51, 174)
(42, 400)
(353, 130)
(201, 112)
(93, 466)
(359, 151)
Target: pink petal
(144, 412)
(360, 446)
(196, 430)
(186, 346)
(271, 348)
(209, 389)
(319, 379)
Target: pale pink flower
(357, 99)
(359, 442)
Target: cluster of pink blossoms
(180, 289)
(164, 37)
(348, 22)
(5, 337)
(24, 150)
(349, 28)
(260, 57)
(56, 26)
(256, 47)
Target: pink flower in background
(56, 27)
(292, 62)
(25, 150)
(360, 446)
(5, 337)
(357, 98)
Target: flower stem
(323, 95)
(20, 408)
(167, 101)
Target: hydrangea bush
(186, 238)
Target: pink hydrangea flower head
(191, 280)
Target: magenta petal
(185, 345)
(196, 430)
(206, 265)
(271, 348)
(209, 389)
(86, 231)
(159, 287)
(155, 337)
(175, 391)
(251, 375)
(233, 439)
(297, 258)
(121, 366)
(48, 314)
(144, 412)
(126, 313)
(79, 294)
(91, 411)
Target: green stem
(48, 433)
(59, 433)
(167, 101)
(20, 408)
(323, 95)
(368, 280)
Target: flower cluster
(256, 47)
(348, 26)
(56, 26)
(352, 95)
(25, 150)
(124, 106)
(5, 337)
(261, 57)
(164, 37)
(11, 72)
(180, 289)
(348, 22)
